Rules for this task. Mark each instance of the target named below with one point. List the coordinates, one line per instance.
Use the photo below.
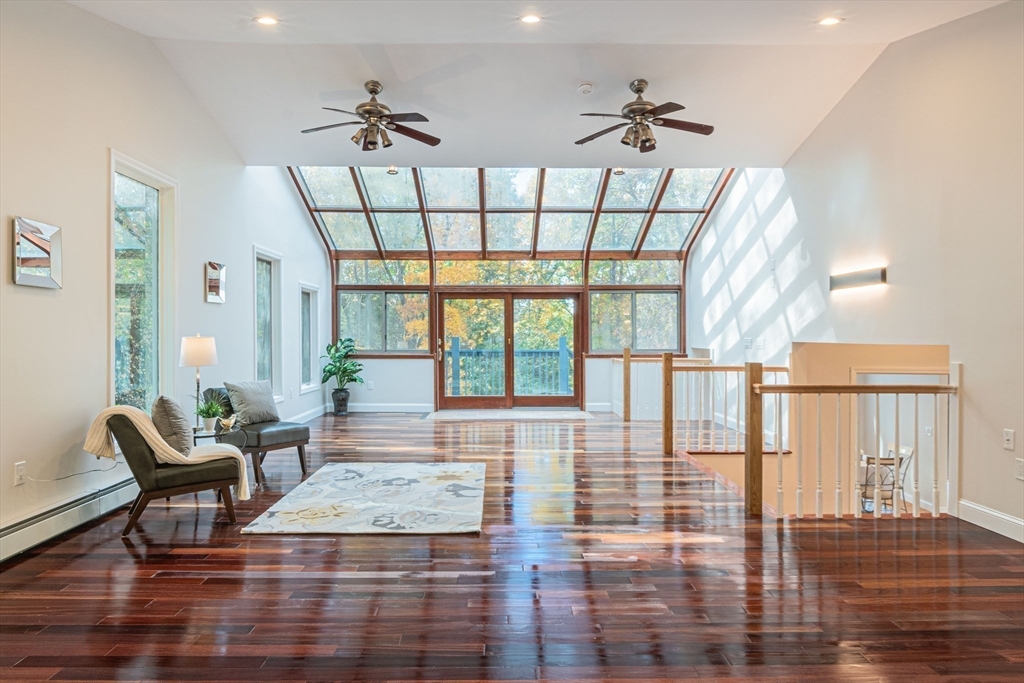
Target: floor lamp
(198, 352)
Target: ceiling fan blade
(333, 125)
(416, 135)
(407, 117)
(350, 113)
(611, 116)
(602, 132)
(663, 109)
(646, 148)
(699, 128)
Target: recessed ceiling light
(392, 170)
(830, 21)
(529, 19)
(266, 21)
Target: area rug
(513, 414)
(381, 498)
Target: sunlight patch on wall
(781, 225)
(754, 262)
(806, 308)
(714, 271)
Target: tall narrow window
(309, 335)
(264, 319)
(136, 292)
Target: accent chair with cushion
(157, 480)
(261, 429)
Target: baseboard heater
(43, 526)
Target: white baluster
(818, 500)
(700, 413)
(779, 494)
(839, 458)
(897, 489)
(689, 404)
(935, 459)
(858, 485)
(917, 459)
(799, 456)
(878, 449)
(739, 395)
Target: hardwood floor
(600, 559)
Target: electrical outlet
(1020, 468)
(1008, 439)
(19, 473)
(369, 385)
(927, 431)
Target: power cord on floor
(76, 474)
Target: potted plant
(209, 410)
(342, 368)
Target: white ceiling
(502, 93)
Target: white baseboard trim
(44, 526)
(603, 407)
(391, 407)
(993, 520)
(311, 413)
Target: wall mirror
(215, 273)
(37, 254)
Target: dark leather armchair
(260, 438)
(158, 480)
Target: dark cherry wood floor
(600, 559)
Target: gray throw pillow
(173, 424)
(253, 401)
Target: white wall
(75, 87)
(400, 385)
(919, 167)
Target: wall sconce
(860, 278)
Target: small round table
(215, 434)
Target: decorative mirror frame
(214, 283)
(37, 250)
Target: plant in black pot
(342, 368)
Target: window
(137, 329)
(268, 317)
(643, 321)
(385, 321)
(309, 337)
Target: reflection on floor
(548, 415)
(600, 559)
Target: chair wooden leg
(302, 458)
(135, 504)
(139, 508)
(257, 471)
(228, 504)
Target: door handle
(440, 351)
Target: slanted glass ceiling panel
(690, 188)
(617, 230)
(388, 272)
(510, 188)
(510, 231)
(450, 188)
(389, 191)
(330, 186)
(669, 231)
(635, 272)
(455, 231)
(574, 188)
(348, 230)
(402, 231)
(563, 231)
(540, 272)
(633, 189)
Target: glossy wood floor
(600, 559)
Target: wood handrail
(726, 368)
(854, 389)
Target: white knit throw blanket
(100, 442)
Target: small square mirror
(37, 254)
(215, 273)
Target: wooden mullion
(366, 211)
(432, 324)
(596, 216)
(483, 212)
(658, 195)
(328, 243)
(536, 215)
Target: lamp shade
(198, 352)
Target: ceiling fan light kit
(640, 115)
(376, 120)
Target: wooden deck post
(754, 443)
(668, 413)
(627, 390)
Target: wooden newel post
(753, 459)
(627, 390)
(668, 412)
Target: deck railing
(481, 372)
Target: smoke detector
(585, 88)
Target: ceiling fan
(640, 114)
(378, 120)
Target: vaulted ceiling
(501, 93)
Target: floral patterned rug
(381, 498)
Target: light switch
(748, 343)
(1008, 439)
